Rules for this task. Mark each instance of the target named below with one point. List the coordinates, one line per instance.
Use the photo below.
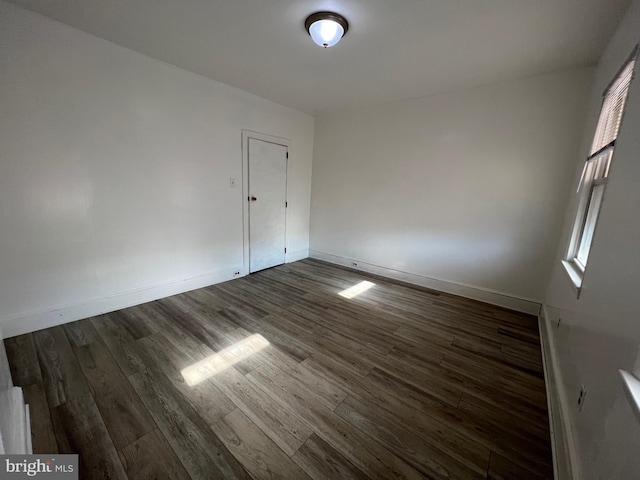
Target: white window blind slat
(612, 109)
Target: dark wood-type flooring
(397, 382)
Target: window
(596, 170)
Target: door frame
(246, 135)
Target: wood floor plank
(422, 375)
(463, 431)
(259, 455)
(359, 316)
(273, 355)
(291, 323)
(422, 414)
(200, 451)
(120, 343)
(79, 429)
(382, 388)
(286, 430)
(241, 318)
(62, 376)
(23, 360)
(428, 460)
(43, 438)
(520, 435)
(480, 346)
(239, 299)
(205, 398)
(283, 429)
(362, 451)
(205, 333)
(522, 357)
(270, 354)
(484, 368)
(324, 274)
(501, 468)
(151, 458)
(322, 390)
(203, 300)
(357, 329)
(321, 461)
(175, 327)
(356, 309)
(519, 333)
(293, 346)
(499, 386)
(426, 334)
(124, 415)
(333, 371)
(524, 350)
(352, 354)
(241, 361)
(80, 333)
(286, 277)
(424, 351)
(271, 295)
(138, 321)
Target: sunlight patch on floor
(356, 289)
(207, 368)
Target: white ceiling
(394, 50)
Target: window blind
(612, 109)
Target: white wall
(600, 332)
(462, 187)
(114, 174)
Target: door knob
(253, 199)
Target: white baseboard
(295, 256)
(563, 447)
(18, 324)
(468, 291)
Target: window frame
(592, 186)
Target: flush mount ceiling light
(326, 28)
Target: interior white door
(267, 204)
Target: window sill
(574, 275)
(632, 389)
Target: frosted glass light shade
(326, 33)
(326, 28)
